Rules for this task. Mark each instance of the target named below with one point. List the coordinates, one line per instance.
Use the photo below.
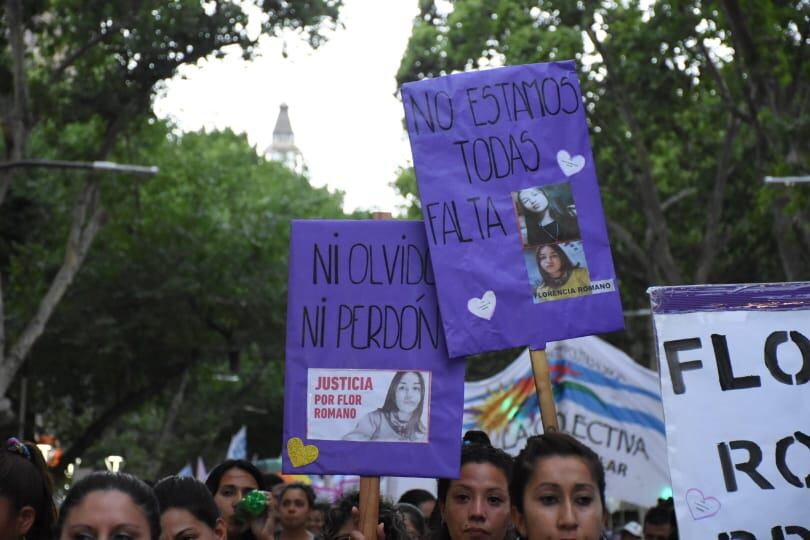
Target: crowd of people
(554, 489)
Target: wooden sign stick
(542, 385)
(369, 506)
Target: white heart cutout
(700, 506)
(569, 164)
(483, 307)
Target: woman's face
(180, 524)
(294, 509)
(561, 502)
(426, 507)
(533, 199)
(106, 515)
(550, 261)
(477, 504)
(315, 521)
(233, 486)
(408, 393)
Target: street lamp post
(90, 165)
(787, 180)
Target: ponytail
(25, 481)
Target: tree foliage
(187, 281)
(76, 79)
(690, 105)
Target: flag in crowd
(237, 449)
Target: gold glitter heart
(301, 454)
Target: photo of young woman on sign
(559, 276)
(546, 214)
(400, 417)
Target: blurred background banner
(603, 398)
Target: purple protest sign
(511, 207)
(369, 388)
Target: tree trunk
(18, 120)
(651, 202)
(96, 429)
(88, 216)
(714, 207)
(87, 219)
(168, 424)
(789, 251)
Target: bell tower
(283, 148)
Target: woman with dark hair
(317, 518)
(400, 417)
(476, 505)
(295, 502)
(229, 482)
(109, 505)
(558, 490)
(561, 279)
(343, 521)
(414, 520)
(26, 493)
(546, 220)
(424, 500)
(187, 510)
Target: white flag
(202, 474)
(238, 447)
(186, 471)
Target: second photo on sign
(557, 271)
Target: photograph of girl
(559, 276)
(400, 417)
(548, 214)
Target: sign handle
(369, 506)
(542, 385)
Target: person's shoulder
(532, 231)
(375, 416)
(366, 427)
(580, 275)
(569, 226)
(542, 286)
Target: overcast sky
(342, 97)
